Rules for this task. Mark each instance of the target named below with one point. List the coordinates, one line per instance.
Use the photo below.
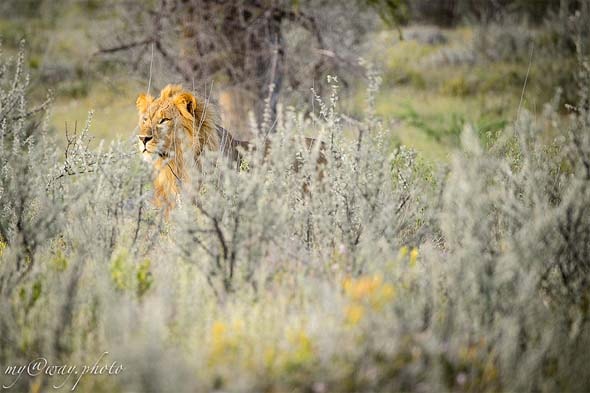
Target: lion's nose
(145, 139)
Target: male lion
(171, 124)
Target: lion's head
(172, 126)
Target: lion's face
(157, 129)
(161, 122)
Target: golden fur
(172, 127)
(177, 123)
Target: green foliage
(60, 262)
(76, 89)
(144, 278)
(456, 11)
(393, 12)
(447, 128)
(20, 156)
(458, 86)
(121, 272)
(29, 296)
(129, 275)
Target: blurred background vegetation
(469, 273)
(444, 63)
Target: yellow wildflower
(413, 256)
(223, 344)
(2, 247)
(384, 295)
(403, 252)
(302, 351)
(354, 314)
(218, 329)
(363, 287)
(219, 342)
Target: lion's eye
(163, 120)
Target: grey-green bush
(385, 274)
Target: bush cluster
(374, 272)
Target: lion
(168, 125)
(176, 123)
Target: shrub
(384, 275)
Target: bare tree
(241, 43)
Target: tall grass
(382, 274)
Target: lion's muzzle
(145, 139)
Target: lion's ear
(170, 91)
(186, 103)
(143, 101)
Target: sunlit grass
(114, 113)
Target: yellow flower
(217, 330)
(219, 341)
(384, 295)
(413, 256)
(302, 350)
(223, 344)
(347, 284)
(354, 314)
(370, 290)
(2, 247)
(300, 340)
(363, 287)
(403, 252)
